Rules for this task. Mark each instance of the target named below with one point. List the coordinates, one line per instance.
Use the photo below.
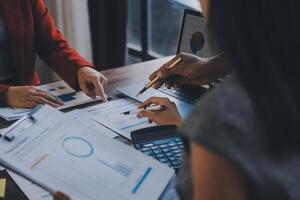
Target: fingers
(49, 97)
(86, 88)
(152, 117)
(98, 87)
(155, 100)
(163, 69)
(92, 83)
(60, 196)
(36, 96)
(42, 100)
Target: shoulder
(225, 116)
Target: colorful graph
(78, 147)
(197, 42)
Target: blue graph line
(139, 183)
(133, 125)
(91, 149)
(119, 168)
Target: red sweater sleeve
(53, 48)
(3, 88)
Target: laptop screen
(194, 36)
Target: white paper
(131, 91)
(109, 114)
(59, 89)
(63, 91)
(11, 114)
(86, 119)
(75, 159)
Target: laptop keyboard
(184, 94)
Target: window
(153, 27)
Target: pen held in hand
(177, 60)
(150, 108)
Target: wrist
(4, 95)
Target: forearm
(3, 90)
(53, 48)
(217, 67)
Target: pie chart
(197, 42)
(78, 147)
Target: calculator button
(163, 160)
(144, 149)
(179, 155)
(148, 145)
(179, 143)
(163, 146)
(157, 151)
(154, 147)
(175, 163)
(172, 144)
(172, 158)
(178, 140)
(166, 150)
(174, 148)
(169, 154)
(160, 156)
(177, 151)
(181, 146)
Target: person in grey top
(242, 139)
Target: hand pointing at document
(92, 82)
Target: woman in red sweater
(26, 29)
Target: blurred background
(113, 33)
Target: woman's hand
(191, 71)
(92, 82)
(60, 196)
(168, 116)
(29, 97)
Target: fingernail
(139, 115)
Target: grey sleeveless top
(225, 122)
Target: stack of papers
(110, 115)
(11, 114)
(58, 153)
(59, 89)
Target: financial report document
(109, 114)
(73, 158)
(59, 89)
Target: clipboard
(5, 135)
(52, 150)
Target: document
(86, 119)
(64, 92)
(109, 114)
(131, 91)
(56, 151)
(11, 114)
(59, 89)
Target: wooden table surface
(132, 73)
(123, 76)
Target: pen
(17, 123)
(177, 60)
(150, 108)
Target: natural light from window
(190, 3)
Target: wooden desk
(132, 73)
(124, 76)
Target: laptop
(194, 39)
